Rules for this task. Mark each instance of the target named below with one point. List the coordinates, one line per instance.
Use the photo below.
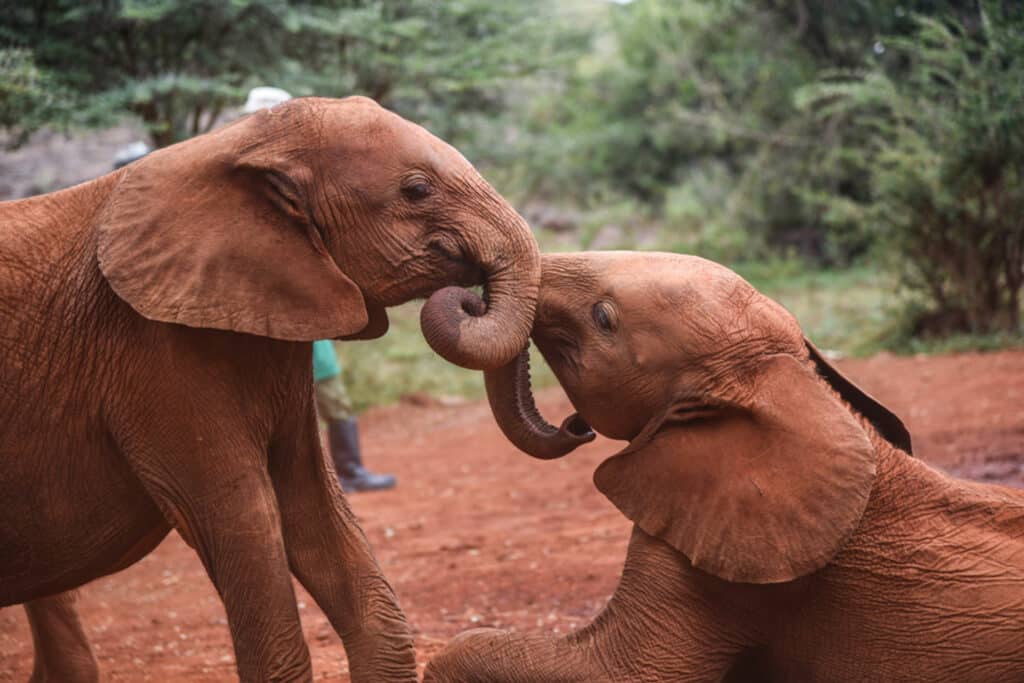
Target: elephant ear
(888, 425)
(214, 233)
(763, 492)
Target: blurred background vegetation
(860, 160)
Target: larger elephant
(782, 530)
(155, 362)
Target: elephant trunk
(511, 398)
(484, 335)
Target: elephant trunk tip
(577, 427)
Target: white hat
(264, 97)
(130, 153)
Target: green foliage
(670, 92)
(682, 90)
(830, 134)
(28, 97)
(446, 65)
(700, 214)
(178, 64)
(951, 188)
(173, 63)
(944, 136)
(674, 87)
(843, 131)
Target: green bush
(178, 64)
(832, 134)
(944, 137)
(950, 189)
(29, 99)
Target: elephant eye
(603, 316)
(417, 191)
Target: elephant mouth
(453, 273)
(560, 350)
(453, 260)
(377, 323)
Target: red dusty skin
(511, 399)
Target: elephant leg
(62, 651)
(220, 499)
(331, 557)
(486, 655)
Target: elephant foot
(381, 652)
(62, 652)
(75, 669)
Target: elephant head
(742, 455)
(306, 220)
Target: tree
(721, 116)
(177, 64)
(942, 148)
(949, 188)
(455, 67)
(173, 63)
(28, 98)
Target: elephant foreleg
(329, 554)
(62, 651)
(221, 500)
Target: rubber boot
(343, 444)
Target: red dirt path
(479, 534)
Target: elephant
(783, 531)
(155, 365)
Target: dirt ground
(479, 534)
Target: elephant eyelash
(603, 316)
(691, 410)
(286, 191)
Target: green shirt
(325, 360)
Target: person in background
(332, 400)
(335, 407)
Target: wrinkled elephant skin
(783, 530)
(155, 373)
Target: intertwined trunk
(484, 334)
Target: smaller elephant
(783, 531)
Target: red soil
(479, 534)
